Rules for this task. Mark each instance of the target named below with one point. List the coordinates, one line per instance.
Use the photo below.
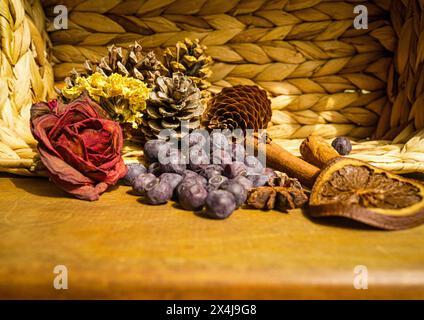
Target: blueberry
(254, 166)
(174, 162)
(173, 179)
(178, 168)
(144, 182)
(159, 194)
(155, 168)
(342, 145)
(189, 175)
(216, 181)
(258, 180)
(221, 157)
(238, 191)
(237, 152)
(192, 196)
(198, 159)
(210, 187)
(235, 169)
(202, 180)
(195, 138)
(246, 183)
(134, 170)
(212, 170)
(188, 182)
(220, 204)
(152, 147)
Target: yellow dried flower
(123, 97)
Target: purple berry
(198, 156)
(202, 180)
(144, 182)
(155, 168)
(159, 194)
(220, 204)
(342, 145)
(238, 191)
(216, 181)
(210, 187)
(258, 180)
(221, 157)
(152, 147)
(235, 169)
(134, 170)
(198, 159)
(174, 162)
(195, 138)
(173, 179)
(190, 176)
(254, 166)
(212, 170)
(246, 183)
(173, 168)
(199, 169)
(192, 196)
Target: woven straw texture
(305, 53)
(324, 76)
(25, 76)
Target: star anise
(280, 198)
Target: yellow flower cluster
(123, 97)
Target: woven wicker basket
(326, 77)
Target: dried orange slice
(354, 189)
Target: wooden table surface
(119, 248)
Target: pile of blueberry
(215, 182)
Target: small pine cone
(136, 64)
(242, 106)
(173, 100)
(190, 58)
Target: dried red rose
(79, 146)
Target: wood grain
(119, 248)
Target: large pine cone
(173, 100)
(244, 107)
(136, 64)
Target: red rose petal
(79, 146)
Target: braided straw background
(305, 53)
(25, 76)
(324, 76)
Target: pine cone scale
(244, 107)
(173, 100)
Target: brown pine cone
(244, 107)
(190, 58)
(134, 63)
(173, 100)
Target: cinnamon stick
(317, 151)
(280, 159)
